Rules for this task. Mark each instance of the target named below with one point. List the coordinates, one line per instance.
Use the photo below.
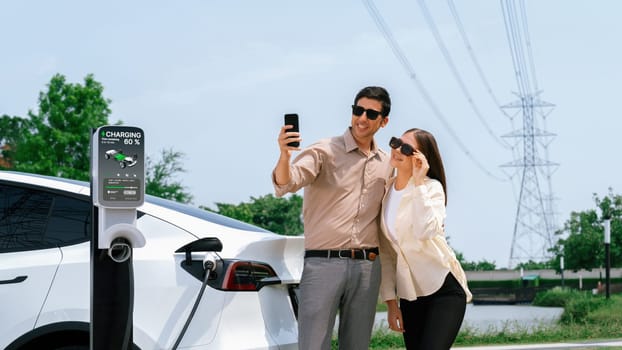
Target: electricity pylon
(535, 221)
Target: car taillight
(234, 275)
(248, 276)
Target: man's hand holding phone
(289, 138)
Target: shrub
(577, 304)
(578, 308)
(557, 297)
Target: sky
(212, 79)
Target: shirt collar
(351, 145)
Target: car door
(33, 222)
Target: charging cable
(209, 264)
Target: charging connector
(209, 263)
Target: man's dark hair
(376, 93)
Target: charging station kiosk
(117, 189)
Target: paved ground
(602, 344)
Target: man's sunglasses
(405, 148)
(371, 114)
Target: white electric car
(250, 303)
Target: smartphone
(292, 119)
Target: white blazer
(417, 259)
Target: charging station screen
(120, 166)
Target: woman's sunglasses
(405, 148)
(371, 114)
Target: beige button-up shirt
(343, 190)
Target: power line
(405, 63)
(528, 44)
(454, 70)
(478, 67)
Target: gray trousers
(331, 284)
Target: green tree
(160, 177)
(534, 265)
(583, 246)
(279, 215)
(55, 140)
(485, 265)
(482, 265)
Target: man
(344, 180)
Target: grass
(585, 317)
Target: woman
(418, 266)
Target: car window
(70, 221)
(35, 219)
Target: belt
(367, 254)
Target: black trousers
(432, 322)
